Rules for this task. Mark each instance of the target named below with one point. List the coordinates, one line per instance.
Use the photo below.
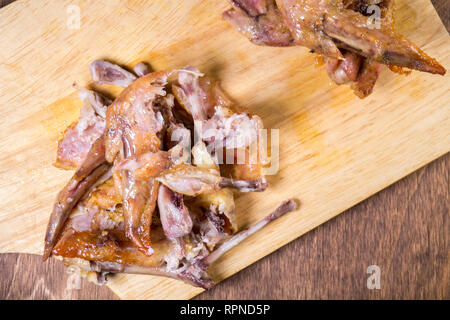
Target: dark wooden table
(404, 230)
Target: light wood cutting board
(335, 149)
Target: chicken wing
(341, 31)
(93, 167)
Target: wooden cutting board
(335, 149)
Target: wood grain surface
(403, 229)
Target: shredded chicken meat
(141, 201)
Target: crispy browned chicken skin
(344, 32)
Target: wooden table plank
(443, 9)
(25, 276)
(403, 229)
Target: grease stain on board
(316, 151)
(57, 116)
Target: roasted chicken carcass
(141, 200)
(354, 37)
